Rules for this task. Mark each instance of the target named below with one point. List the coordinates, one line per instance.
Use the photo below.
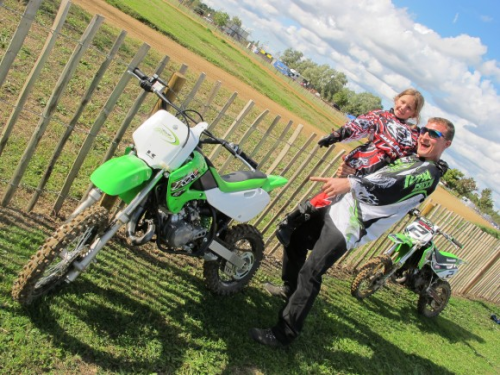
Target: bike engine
(420, 279)
(181, 229)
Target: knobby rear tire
(48, 267)
(247, 242)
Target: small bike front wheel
(51, 263)
(222, 277)
(430, 305)
(371, 277)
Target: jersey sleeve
(396, 182)
(359, 128)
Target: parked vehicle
(415, 262)
(171, 194)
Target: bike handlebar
(450, 238)
(457, 243)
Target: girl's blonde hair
(419, 101)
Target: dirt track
(179, 54)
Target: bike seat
(241, 180)
(445, 258)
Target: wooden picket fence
(49, 167)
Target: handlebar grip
(457, 243)
(139, 73)
(209, 141)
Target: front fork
(121, 218)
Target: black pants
(304, 277)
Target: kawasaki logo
(421, 181)
(167, 135)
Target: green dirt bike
(415, 262)
(171, 194)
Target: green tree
(292, 58)
(236, 21)
(365, 102)
(221, 19)
(451, 177)
(486, 200)
(333, 81)
(343, 97)
(465, 186)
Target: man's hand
(344, 170)
(333, 186)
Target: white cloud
(381, 49)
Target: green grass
(136, 313)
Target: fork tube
(121, 218)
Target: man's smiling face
(429, 147)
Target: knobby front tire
(368, 280)
(430, 307)
(51, 263)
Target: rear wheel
(222, 277)
(370, 279)
(430, 305)
(51, 263)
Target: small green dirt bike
(415, 262)
(171, 194)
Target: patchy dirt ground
(179, 54)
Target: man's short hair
(450, 128)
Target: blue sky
(449, 50)
(478, 18)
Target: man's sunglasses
(434, 134)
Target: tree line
(331, 84)
(328, 82)
(466, 187)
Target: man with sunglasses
(369, 206)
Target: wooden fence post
(175, 85)
(98, 123)
(18, 39)
(268, 133)
(193, 91)
(244, 138)
(482, 272)
(35, 72)
(222, 112)
(211, 97)
(239, 119)
(51, 106)
(69, 130)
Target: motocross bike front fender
(122, 176)
(400, 238)
(402, 245)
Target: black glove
(329, 140)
